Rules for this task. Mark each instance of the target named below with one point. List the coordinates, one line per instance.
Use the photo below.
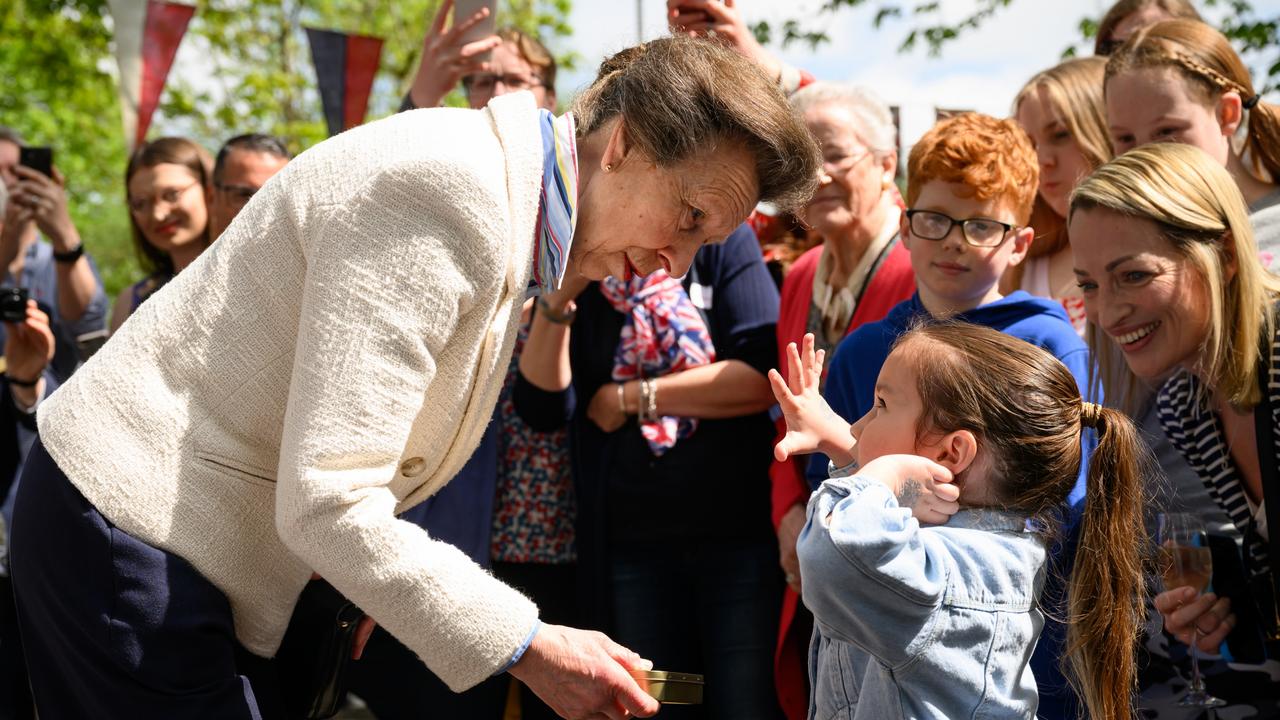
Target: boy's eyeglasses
(486, 83)
(978, 232)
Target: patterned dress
(535, 505)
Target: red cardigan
(892, 283)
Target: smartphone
(13, 304)
(39, 159)
(463, 9)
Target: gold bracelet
(653, 400)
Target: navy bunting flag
(345, 68)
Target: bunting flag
(345, 68)
(147, 35)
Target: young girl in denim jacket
(924, 553)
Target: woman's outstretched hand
(583, 674)
(812, 426)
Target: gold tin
(672, 688)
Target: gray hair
(678, 96)
(874, 119)
(8, 134)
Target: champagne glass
(1185, 561)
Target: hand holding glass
(1185, 561)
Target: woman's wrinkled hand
(583, 674)
(1186, 612)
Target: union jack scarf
(558, 206)
(663, 334)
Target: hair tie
(1090, 414)
(1252, 102)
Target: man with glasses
(516, 62)
(243, 166)
(971, 183)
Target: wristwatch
(559, 318)
(69, 256)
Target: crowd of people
(686, 366)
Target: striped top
(1194, 430)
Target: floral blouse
(535, 505)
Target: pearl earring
(608, 168)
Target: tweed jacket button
(413, 467)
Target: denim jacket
(918, 622)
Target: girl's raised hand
(812, 425)
(923, 486)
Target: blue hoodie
(850, 390)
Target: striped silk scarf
(663, 334)
(558, 207)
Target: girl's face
(1149, 299)
(169, 204)
(892, 425)
(1061, 162)
(1157, 104)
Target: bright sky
(983, 70)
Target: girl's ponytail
(1107, 593)
(1264, 137)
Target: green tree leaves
(255, 75)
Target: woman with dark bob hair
(333, 360)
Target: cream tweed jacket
(329, 362)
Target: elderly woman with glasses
(332, 362)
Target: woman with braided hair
(1181, 81)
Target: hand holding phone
(465, 10)
(39, 159)
(447, 55)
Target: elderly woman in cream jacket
(332, 360)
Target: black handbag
(1265, 586)
(316, 652)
